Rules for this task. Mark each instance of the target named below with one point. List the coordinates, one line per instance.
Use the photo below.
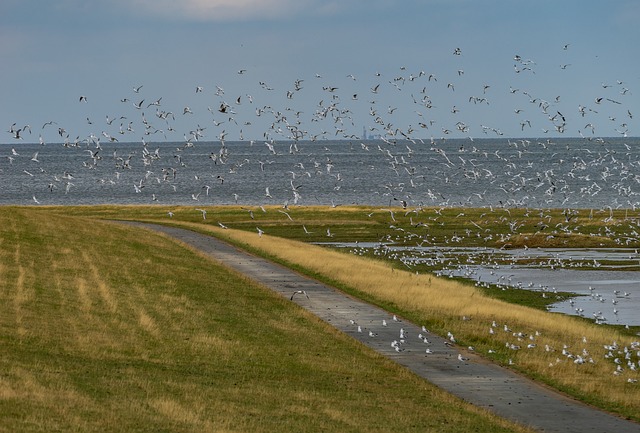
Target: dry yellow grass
(559, 340)
(105, 327)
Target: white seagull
(299, 292)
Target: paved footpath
(473, 379)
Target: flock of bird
(402, 341)
(624, 358)
(422, 147)
(413, 245)
(416, 144)
(419, 151)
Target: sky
(176, 70)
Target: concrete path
(471, 378)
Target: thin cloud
(226, 10)
(260, 10)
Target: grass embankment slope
(105, 328)
(585, 360)
(565, 352)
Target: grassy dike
(111, 328)
(442, 304)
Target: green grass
(500, 228)
(593, 384)
(530, 298)
(442, 303)
(111, 328)
(470, 227)
(447, 227)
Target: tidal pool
(611, 294)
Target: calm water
(609, 296)
(537, 173)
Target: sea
(481, 172)
(535, 173)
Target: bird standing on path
(299, 292)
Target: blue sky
(511, 76)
